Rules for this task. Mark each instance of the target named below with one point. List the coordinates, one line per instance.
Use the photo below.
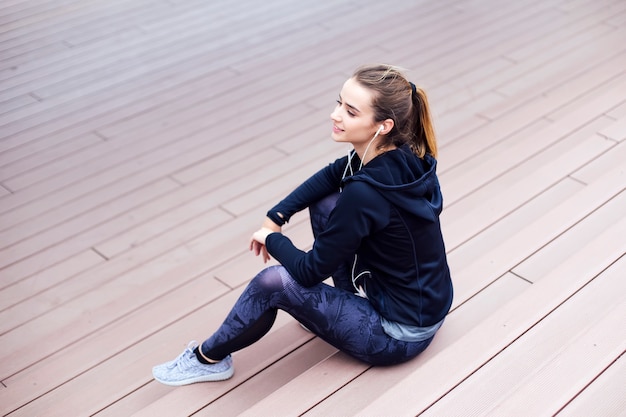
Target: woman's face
(353, 117)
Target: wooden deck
(141, 143)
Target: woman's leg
(253, 316)
(341, 318)
(319, 213)
(250, 319)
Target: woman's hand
(257, 241)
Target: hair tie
(413, 88)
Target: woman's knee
(270, 279)
(320, 210)
(325, 205)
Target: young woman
(375, 219)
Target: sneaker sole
(220, 376)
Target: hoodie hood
(405, 180)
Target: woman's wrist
(268, 223)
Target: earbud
(380, 129)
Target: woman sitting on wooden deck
(375, 218)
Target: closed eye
(348, 110)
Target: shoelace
(183, 360)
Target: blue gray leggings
(335, 314)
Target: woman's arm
(359, 212)
(322, 183)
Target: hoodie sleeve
(360, 211)
(319, 185)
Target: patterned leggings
(335, 314)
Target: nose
(334, 116)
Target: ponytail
(396, 98)
(424, 140)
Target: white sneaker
(187, 369)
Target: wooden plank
(126, 22)
(569, 87)
(116, 177)
(617, 20)
(187, 400)
(616, 132)
(273, 347)
(10, 295)
(169, 45)
(180, 110)
(458, 77)
(76, 63)
(261, 385)
(316, 158)
(30, 149)
(572, 53)
(139, 255)
(39, 16)
(76, 28)
(544, 229)
(579, 19)
(519, 144)
(618, 111)
(177, 147)
(180, 209)
(14, 103)
(257, 387)
(103, 297)
(561, 375)
(512, 189)
(65, 117)
(128, 369)
(112, 149)
(587, 96)
(499, 159)
(498, 233)
(49, 162)
(4, 191)
(95, 348)
(322, 380)
(603, 397)
(613, 158)
(143, 80)
(54, 297)
(522, 72)
(542, 370)
(25, 240)
(476, 348)
(96, 235)
(12, 57)
(235, 400)
(559, 250)
(497, 25)
(481, 139)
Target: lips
(336, 129)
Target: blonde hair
(395, 98)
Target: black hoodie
(387, 215)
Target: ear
(387, 125)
